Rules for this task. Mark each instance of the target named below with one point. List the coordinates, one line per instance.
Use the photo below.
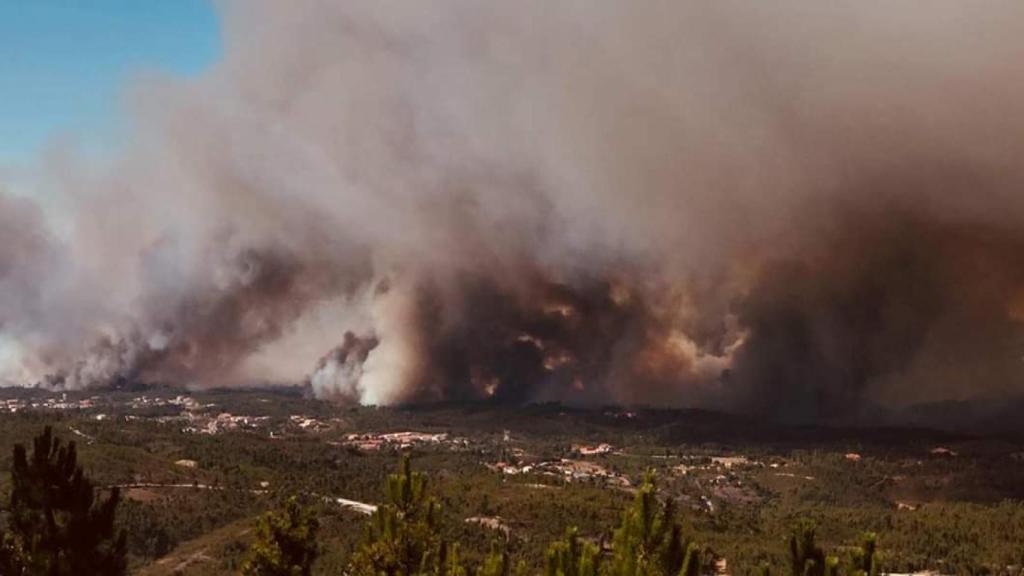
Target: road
(354, 505)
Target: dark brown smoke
(584, 340)
(889, 309)
(800, 210)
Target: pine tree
(402, 536)
(806, 557)
(497, 563)
(571, 557)
(649, 541)
(285, 543)
(57, 526)
(865, 561)
(691, 561)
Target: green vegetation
(571, 557)
(285, 543)
(56, 526)
(402, 536)
(190, 502)
(402, 540)
(806, 557)
(649, 542)
(865, 560)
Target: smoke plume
(794, 209)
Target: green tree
(57, 526)
(499, 563)
(285, 543)
(806, 557)
(402, 536)
(649, 541)
(865, 559)
(571, 557)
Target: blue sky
(64, 63)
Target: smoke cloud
(794, 209)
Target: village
(190, 443)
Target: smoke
(25, 255)
(798, 209)
(339, 374)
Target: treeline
(403, 538)
(59, 524)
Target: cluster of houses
(194, 417)
(223, 422)
(13, 405)
(372, 441)
(61, 402)
(566, 469)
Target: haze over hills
(799, 212)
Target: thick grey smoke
(794, 208)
